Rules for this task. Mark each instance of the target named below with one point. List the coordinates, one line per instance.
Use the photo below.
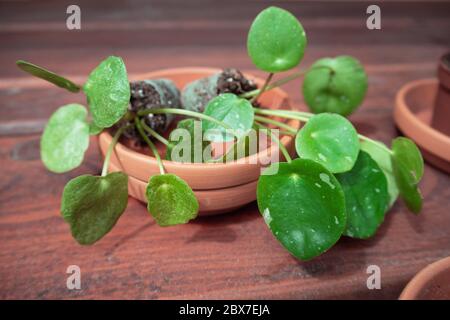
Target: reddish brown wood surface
(228, 256)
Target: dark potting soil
(151, 94)
(197, 94)
(233, 81)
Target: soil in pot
(196, 94)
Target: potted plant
(338, 183)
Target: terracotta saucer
(431, 283)
(211, 201)
(413, 115)
(201, 176)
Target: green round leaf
(407, 163)
(235, 112)
(408, 158)
(329, 139)
(170, 200)
(335, 85)
(92, 205)
(47, 75)
(304, 207)
(366, 197)
(108, 92)
(276, 40)
(65, 138)
(383, 158)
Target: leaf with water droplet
(92, 205)
(233, 111)
(407, 163)
(170, 200)
(108, 92)
(65, 138)
(276, 40)
(329, 139)
(366, 197)
(335, 85)
(304, 207)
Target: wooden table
(227, 256)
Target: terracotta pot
(441, 116)
(211, 201)
(413, 115)
(432, 283)
(218, 187)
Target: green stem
(280, 145)
(281, 82)
(376, 143)
(151, 145)
(263, 88)
(110, 149)
(184, 113)
(305, 116)
(289, 114)
(276, 123)
(274, 84)
(155, 134)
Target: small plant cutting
(340, 183)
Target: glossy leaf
(235, 112)
(383, 158)
(366, 197)
(276, 40)
(170, 200)
(408, 158)
(108, 92)
(335, 85)
(48, 76)
(92, 205)
(304, 207)
(407, 163)
(330, 140)
(65, 138)
(194, 146)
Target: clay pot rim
(285, 140)
(421, 279)
(403, 115)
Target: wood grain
(229, 256)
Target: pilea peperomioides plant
(342, 183)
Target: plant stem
(280, 145)
(155, 134)
(111, 148)
(289, 114)
(376, 143)
(276, 123)
(151, 145)
(274, 84)
(263, 88)
(184, 113)
(281, 82)
(305, 116)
